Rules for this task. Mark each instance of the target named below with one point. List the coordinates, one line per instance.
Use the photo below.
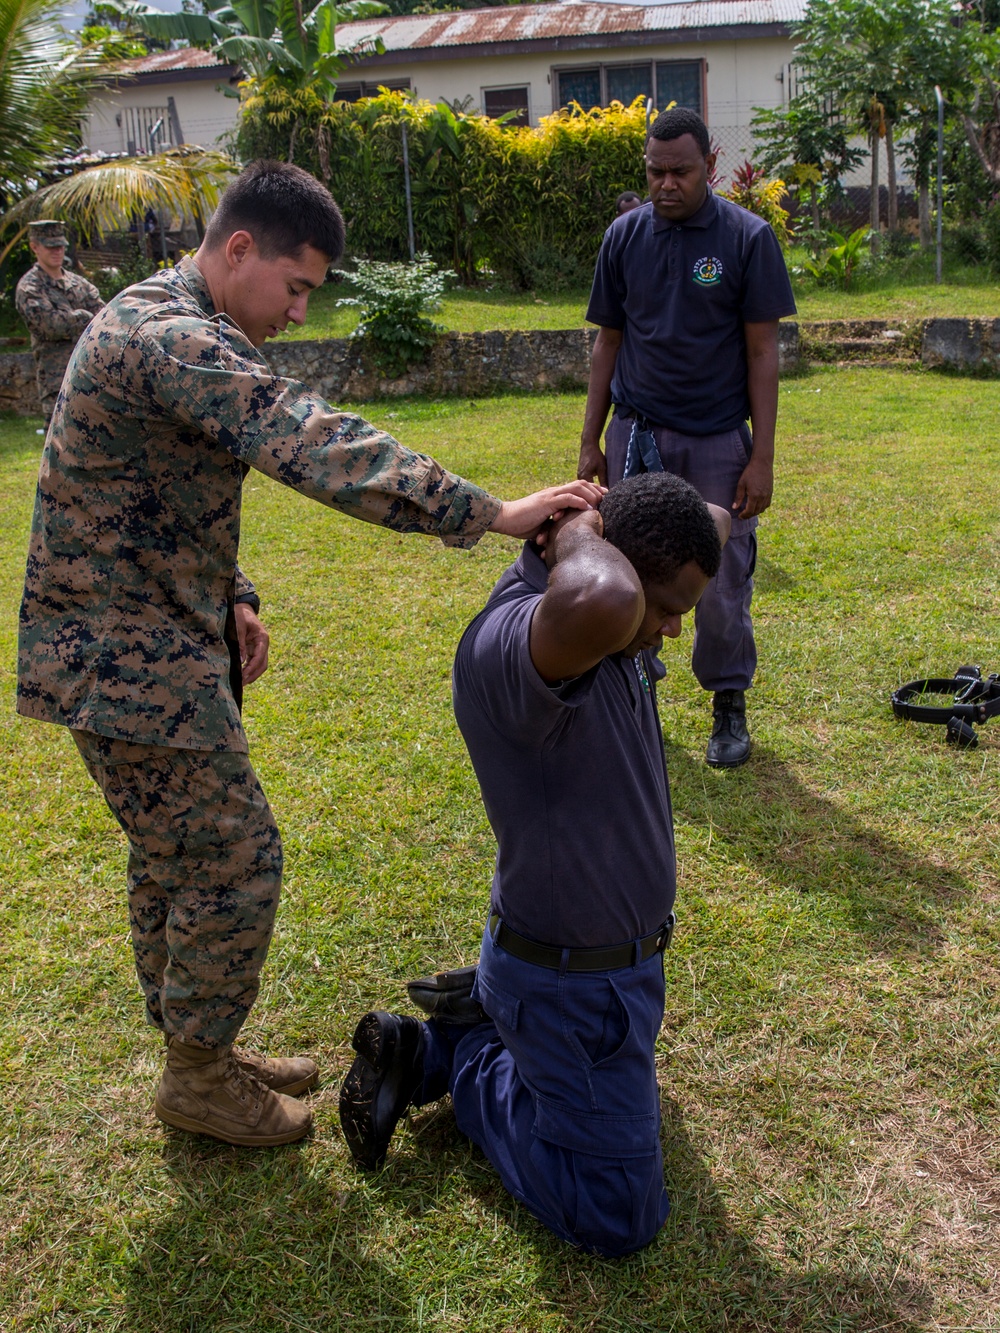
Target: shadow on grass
(770, 577)
(701, 1273)
(258, 1240)
(762, 814)
(266, 1240)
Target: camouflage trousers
(51, 360)
(204, 875)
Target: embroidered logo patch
(708, 271)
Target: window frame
(507, 88)
(370, 88)
(652, 61)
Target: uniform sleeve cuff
(471, 513)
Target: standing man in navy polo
(688, 292)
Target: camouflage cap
(47, 233)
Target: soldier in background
(56, 306)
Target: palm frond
(43, 82)
(169, 27)
(258, 54)
(185, 181)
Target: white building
(161, 101)
(721, 57)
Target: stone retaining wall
(18, 392)
(467, 364)
(969, 345)
(473, 365)
(476, 365)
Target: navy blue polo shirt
(681, 293)
(574, 780)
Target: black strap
(580, 960)
(975, 700)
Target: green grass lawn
(828, 1060)
(906, 292)
(463, 309)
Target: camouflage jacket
(132, 558)
(55, 309)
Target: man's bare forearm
(762, 386)
(592, 605)
(602, 371)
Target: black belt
(975, 700)
(581, 960)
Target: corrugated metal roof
(169, 62)
(528, 23)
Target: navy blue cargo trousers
(724, 656)
(559, 1091)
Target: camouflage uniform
(129, 589)
(56, 311)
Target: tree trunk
(814, 205)
(892, 220)
(972, 133)
(874, 217)
(924, 209)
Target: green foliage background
(529, 204)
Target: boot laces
(245, 1081)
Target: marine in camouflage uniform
(56, 310)
(130, 582)
(135, 617)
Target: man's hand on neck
(574, 531)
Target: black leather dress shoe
(730, 741)
(380, 1085)
(448, 996)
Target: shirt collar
(703, 218)
(195, 280)
(48, 276)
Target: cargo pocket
(183, 806)
(595, 1133)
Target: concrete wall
(971, 346)
(740, 76)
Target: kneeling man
(548, 1047)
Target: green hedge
(528, 204)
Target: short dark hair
(624, 197)
(678, 121)
(283, 208)
(659, 522)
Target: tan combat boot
(288, 1074)
(210, 1092)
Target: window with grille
(146, 129)
(679, 81)
(665, 81)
